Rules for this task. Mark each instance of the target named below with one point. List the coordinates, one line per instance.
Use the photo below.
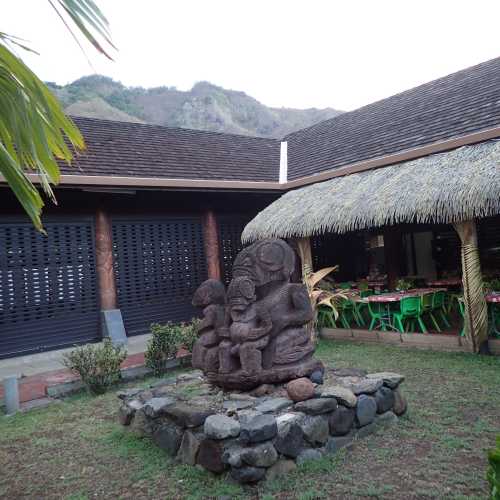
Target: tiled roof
(137, 150)
(460, 103)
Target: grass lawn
(77, 450)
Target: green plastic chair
(451, 301)
(410, 312)
(348, 313)
(361, 307)
(427, 309)
(326, 317)
(345, 286)
(461, 310)
(439, 308)
(378, 314)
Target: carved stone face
(265, 261)
(209, 292)
(241, 293)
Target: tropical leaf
(314, 278)
(34, 131)
(89, 20)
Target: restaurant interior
(405, 278)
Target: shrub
(98, 365)
(493, 474)
(167, 339)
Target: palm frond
(33, 128)
(89, 20)
(34, 131)
(314, 278)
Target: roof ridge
(77, 118)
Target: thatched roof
(456, 185)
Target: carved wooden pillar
(104, 260)
(211, 236)
(392, 254)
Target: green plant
(363, 286)
(493, 474)
(403, 284)
(190, 334)
(492, 285)
(166, 340)
(98, 365)
(321, 297)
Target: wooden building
(148, 212)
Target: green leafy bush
(492, 285)
(493, 474)
(166, 340)
(98, 365)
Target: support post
(104, 260)
(392, 254)
(112, 321)
(211, 237)
(11, 394)
(476, 311)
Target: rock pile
(267, 434)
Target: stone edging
(263, 433)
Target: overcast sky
(308, 53)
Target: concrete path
(25, 366)
(37, 372)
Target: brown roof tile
(137, 150)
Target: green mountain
(204, 107)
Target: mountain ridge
(204, 107)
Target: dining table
(446, 282)
(386, 300)
(493, 297)
(397, 296)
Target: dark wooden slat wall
(48, 288)
(159, 263)
(159, 260)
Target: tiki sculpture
(248, 332)
(211, 296)
(263, 338)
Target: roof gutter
(152, 182)
(382, 161)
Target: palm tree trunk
(476, 312)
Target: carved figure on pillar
(264, 339)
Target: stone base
(276, 375)
(254, 438)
